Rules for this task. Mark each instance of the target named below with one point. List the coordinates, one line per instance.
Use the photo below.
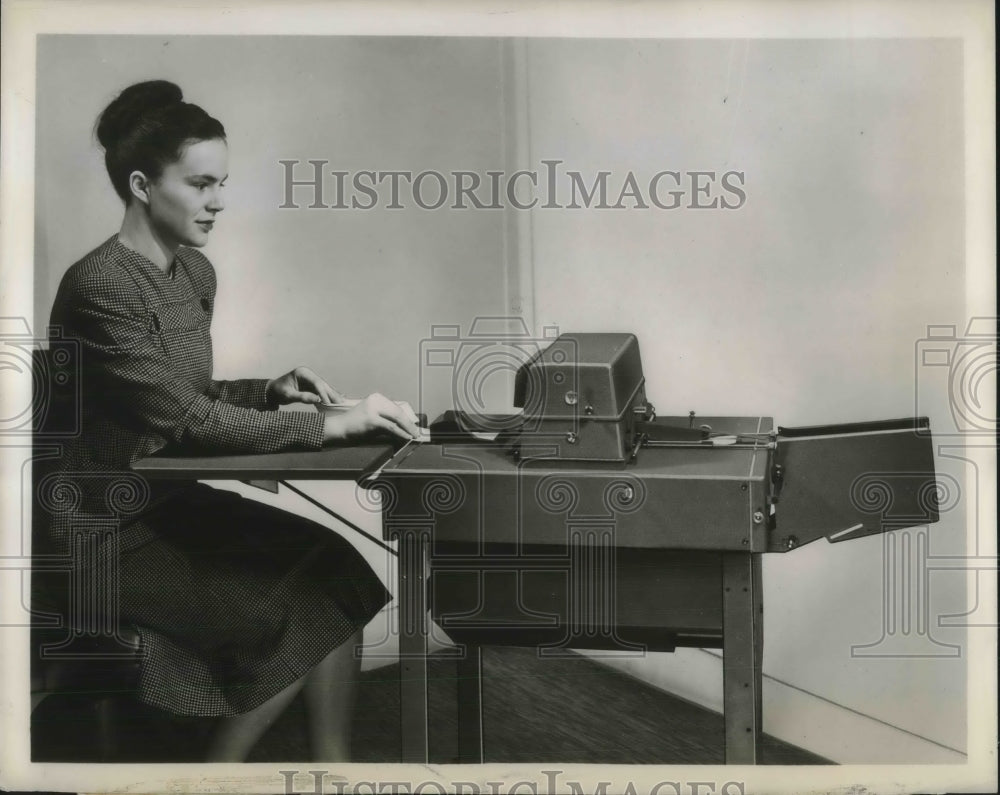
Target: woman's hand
(301, 385)
(374, 413)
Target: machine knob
(646, 412)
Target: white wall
(804, 305)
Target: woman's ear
(138, 186)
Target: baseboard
(803, 719)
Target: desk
(661, 552)
(667, 549)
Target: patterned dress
(234, 600)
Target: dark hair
(147, 127)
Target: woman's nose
(216, 202)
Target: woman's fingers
(411, 415)
(394, 414)
(375, 413)
(409, 426)
(393, 427)
(324, 393)
(329, 394)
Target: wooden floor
(553, 710)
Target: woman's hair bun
(135, 102)
(146, 127)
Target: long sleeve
(250, 393)
(134, 373)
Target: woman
(240, 605)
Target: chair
(72, 653)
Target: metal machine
(734, 483)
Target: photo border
(971, 21)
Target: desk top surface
(689, 462)
(330, 463)
(355, 461)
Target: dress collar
(146, 264)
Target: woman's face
(185, 199)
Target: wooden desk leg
(470, 705)
(413, 645)
(742, 650)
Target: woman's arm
(300, 385)
(133, 373)
(250, 393)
